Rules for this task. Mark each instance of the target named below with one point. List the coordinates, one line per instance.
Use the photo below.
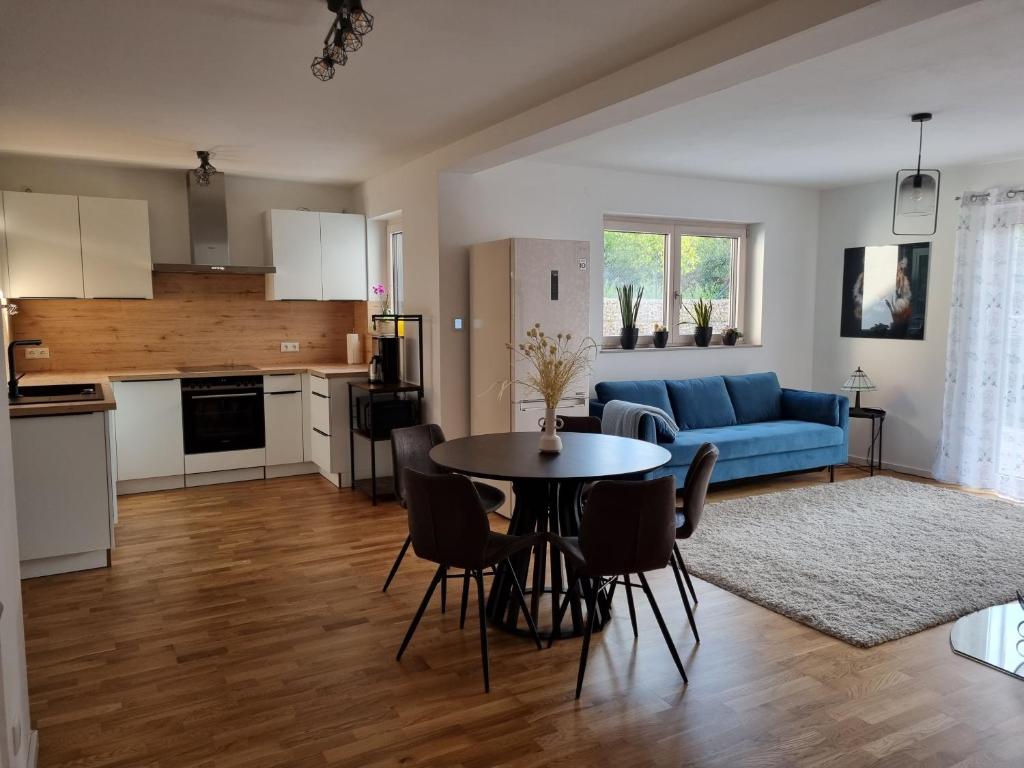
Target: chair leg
(674, 562)
(483, 629)
(632, 607)
(522, 605)
(664, 629)
(465, 599)
(398, 562)
(444, 589)
(591, 617)
(419, 612)
(556, 625)
(686, 574)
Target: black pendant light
(351, 22)
(915, 208)
(205, 170)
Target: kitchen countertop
(107, 403)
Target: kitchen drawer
(282, 382)
(320, 386)
(321, 448)
(320, 413)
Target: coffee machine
(387, 351)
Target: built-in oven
(222, 413)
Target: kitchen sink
(58, 393)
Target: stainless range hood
(208, 231)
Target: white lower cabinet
(64, 490)
(328, 428)
(150, 442)
(282, 418)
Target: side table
(877, 417)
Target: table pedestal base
(545, 507)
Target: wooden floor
(243, 625)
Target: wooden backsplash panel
(191, 320)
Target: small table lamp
(858, 382)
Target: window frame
(674, 229)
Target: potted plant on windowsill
(700, 313)
(660, 336)
(629, 309)
(731, 335)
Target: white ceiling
(150, 81)
(844, 117)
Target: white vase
(550, 442)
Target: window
(396, 266)
(676, 262)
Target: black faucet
(12, 384)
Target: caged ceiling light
(351, 23)
(915, 206)
(205, 170)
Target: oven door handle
(219, 397)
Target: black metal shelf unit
(375, 487)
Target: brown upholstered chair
(693, 496)
(448, 526)
(410, 447)
(628, 528)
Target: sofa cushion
(755, 397)
(644, 392)
(700, 403)
(758, 439)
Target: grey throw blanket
(623, 418)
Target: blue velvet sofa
(759, 427)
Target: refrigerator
(515, 283)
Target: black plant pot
(729, 338)
(660, 339)
(628, 337)
(702, 335)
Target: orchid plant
(383, 296)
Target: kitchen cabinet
(294, 243)
(329, 435)
(282, 418)
(150, 442)
(44, 247)
(116, 260)
(316, 256)
(64, 492)
(343, 255)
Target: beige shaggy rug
(866, 560)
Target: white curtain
(982, 442)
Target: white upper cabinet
(317, 256)
(115, 248)
(343, 249)
(44, 248)
(294, 240)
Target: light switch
(458, 323)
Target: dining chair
(590, 425)
(410, 447)
(693, 495)
(448, 526)
(628, 529)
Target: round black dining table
(548, 492)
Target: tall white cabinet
(316, 256)
(116, 261)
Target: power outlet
(37, 353)
(289, 346)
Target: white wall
(247, 199)
(909, 374)
(13, 680)
(531, 199)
